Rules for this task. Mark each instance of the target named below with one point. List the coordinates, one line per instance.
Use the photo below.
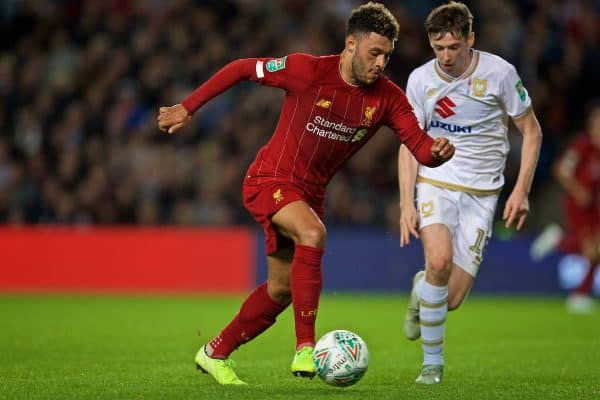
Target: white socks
(432, 313)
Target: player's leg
(258, 312)
(433, 299)
(468, 241)
(278, 275)
(438, 217)
(580, 301)
(471, 237)
(261, 307)
(429, 208)
(459, 285)
(299, 222)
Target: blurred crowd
(81, 83)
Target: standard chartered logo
(359, 135)
(334, 131)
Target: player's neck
(345, 68)
(466, 66)
(468, 62)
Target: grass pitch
(80, 347)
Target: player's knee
(440, 263)
(439, 266)
(315, 235)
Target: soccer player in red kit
(333, 106)
(578, 172)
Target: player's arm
(408, 168)
(287, 73)
(401, 118)
(440, 151)
(417, 147)
(426, 150)
(407, 179)
(171, 119)
(517, 205)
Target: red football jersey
(582, 160)
(323, 120)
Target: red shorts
(265, 199)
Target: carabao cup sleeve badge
(276, 64)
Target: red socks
(260, 311)
(257, 313)
(306, 282)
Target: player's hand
(171, 119)
(408, 223)
(516, 209)
(442, 149)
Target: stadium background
(80, 85)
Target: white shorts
(468, 217)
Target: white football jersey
(472, 112)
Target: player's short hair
(373, 17)
(454, 18)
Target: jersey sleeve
(401, 118)
(288, 73)
(513, 94)
(415, 98)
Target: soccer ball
(341, 358)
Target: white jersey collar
(468, 72)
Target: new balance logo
(444, 107)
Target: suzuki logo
(444, 107)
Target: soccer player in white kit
(466, 95)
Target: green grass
(80, 347)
